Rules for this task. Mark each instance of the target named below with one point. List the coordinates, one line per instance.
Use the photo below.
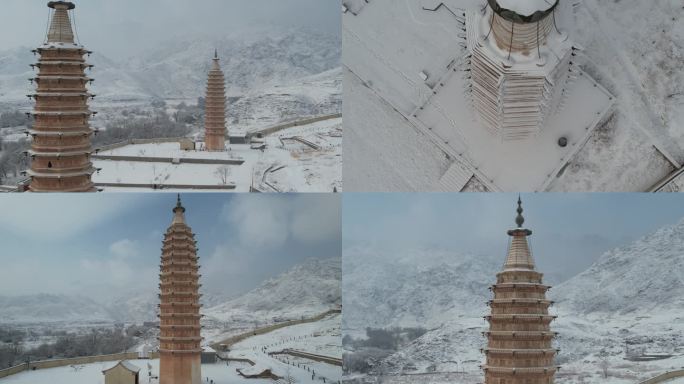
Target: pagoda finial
(520, 220)
(215, 53)
(179, 206)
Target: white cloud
(270, 221)
(316, 218)
(124, 248)
(59, 216)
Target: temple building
(179, 317)
(215, 109)
(519, 65)
(61, 147)
(519, 341)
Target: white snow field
(319, 338)
(624, 312)
(322, 338)
(410, 126)
(92, 374)
(305, 158)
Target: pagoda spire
(179, 307)
(61, 134)
(178, 212)
(215, 108)
(519, 254)
(60, 30)
(519, 340)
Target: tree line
(97, 341)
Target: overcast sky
(103, 244)
(126, 26)
(570, 231)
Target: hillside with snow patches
(177, 69)
(627, 306)
(644, 276)
(424, 287)
(306, 289)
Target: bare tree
(223, 172)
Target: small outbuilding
(187, 144)
(122, 373)
(208, 355)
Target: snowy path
(322, 337)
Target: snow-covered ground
(624, 312)
(221, 373)
(392, 144)
(320, 338)
(285, 164)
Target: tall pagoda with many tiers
(519, 348)
(61, 147)
(215, 109)
(179, 317)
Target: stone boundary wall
(12, 370)
(167, 186)
(181, 160)
(64, 362)
(296, 123)
(140, 141)
(270, 328)
(665, 376)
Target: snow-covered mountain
(307, 289)
(643, 276)
(423, 287)
(304, 290)
(51, 308)
(177, 69)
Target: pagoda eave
(528, 371)
(61, 175)
(34, 153)
(87, 132)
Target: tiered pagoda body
(519, 348)
(61, 148)
(215, 109)
(179, 316)
(519, 65)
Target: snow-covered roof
(126, 365)
(523, 8)
(254, 370)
